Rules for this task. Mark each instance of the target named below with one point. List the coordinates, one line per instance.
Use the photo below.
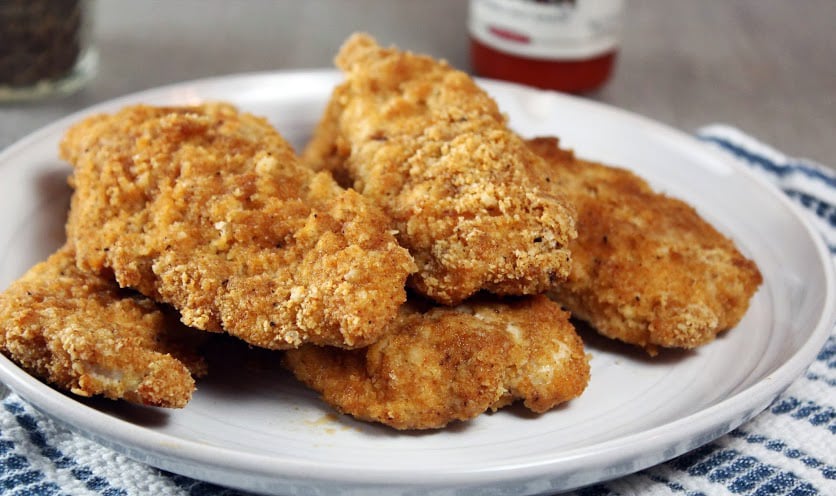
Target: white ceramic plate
(251, 426)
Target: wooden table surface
(765, 66)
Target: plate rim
(696, 426)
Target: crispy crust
(209, 210)
(83, 334)
(647, 269)
(432, 149)
(450, 364)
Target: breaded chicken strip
(647, 269)
(432, 149)
(452, 363)
(83, 334)
(209, 210)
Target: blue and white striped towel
(790, 449)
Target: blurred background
(765, 66)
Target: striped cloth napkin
(789, 449)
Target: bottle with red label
(564, 45)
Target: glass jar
(45, 48)
(564, 45)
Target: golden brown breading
(452, 364)
(83, 334)
(647, 269)
(209, 210)
(432, 149)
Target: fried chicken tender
(433, 150)
(82, 333)
(209, 210)
(647, 269)
(452, 363)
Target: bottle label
(547, 29)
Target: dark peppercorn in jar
(44, 47)
(564, 45)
